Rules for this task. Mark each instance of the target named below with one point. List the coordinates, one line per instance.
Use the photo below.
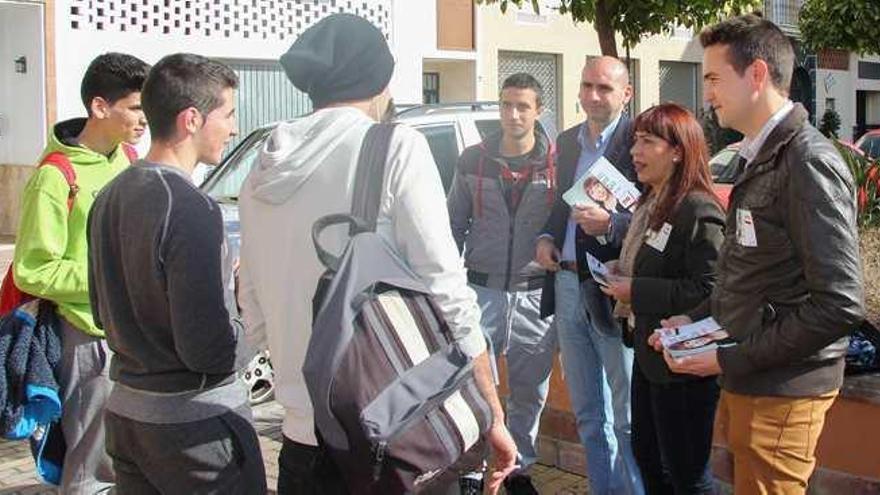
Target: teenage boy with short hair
(50, 252)
(178, 420)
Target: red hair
(677, 126)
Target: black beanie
(341, 58)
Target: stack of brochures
(694, 338)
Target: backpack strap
(60, 161)
(130, 152)
(367, 198)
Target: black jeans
(672, 433)
(307, 470)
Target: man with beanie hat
(306, 170)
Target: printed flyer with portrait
(604, 186)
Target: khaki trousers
(773, 440)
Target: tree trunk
(605, 31)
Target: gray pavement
(17, 467)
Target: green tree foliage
(635, 19)
(866, 173)
(830, 124)
(852, 25)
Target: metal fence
(265, 95)
(784, 13)
(542, 66)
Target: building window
(830, 104)
(431, 87)
(443, 142)
(680, 83)
(784, 13)
(869, 70)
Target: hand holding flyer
(700, 336)
(598, 269)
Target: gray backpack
(395, 401)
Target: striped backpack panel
(395, 400)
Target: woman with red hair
(666, 267)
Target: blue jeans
(512, 323)
(598, 371)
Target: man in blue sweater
(178, 419)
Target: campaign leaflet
(598, 269)
(604, 186)
(694, 338)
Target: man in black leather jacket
(789, 284)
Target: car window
(487, 127)
(226, 181)
(723, 166)
(444, 146)
(871, 146)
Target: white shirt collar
(750, 147)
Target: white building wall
(416, 33)
(553, 33)
(418, 27)
(22, 95)
(77, 45)
(840, 85)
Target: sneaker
(519, 484)
(470, 486)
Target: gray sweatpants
(85, 386)
(512, 322)
(214, 455)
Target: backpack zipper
(379, 449)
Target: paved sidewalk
(17, 467)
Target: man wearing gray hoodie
(306, 170)
(501, 197)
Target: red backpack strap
(60, 161)
(130, 152)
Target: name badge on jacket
(541, 179)
(658, 240)
(745, 228)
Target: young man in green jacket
(51, 252)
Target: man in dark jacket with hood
(500, 198)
